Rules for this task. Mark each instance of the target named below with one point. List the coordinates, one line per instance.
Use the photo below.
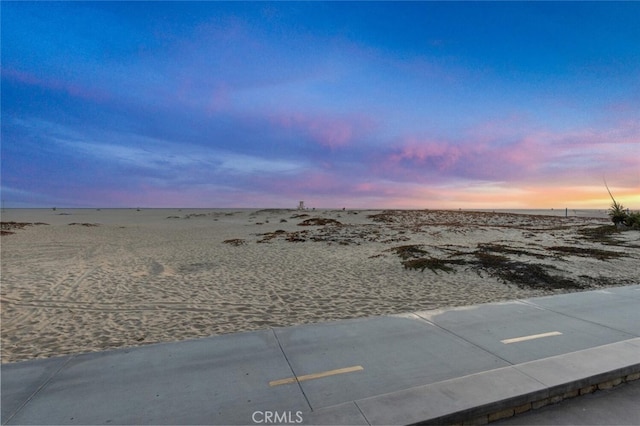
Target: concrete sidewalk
(476, 363)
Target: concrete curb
(492, 395)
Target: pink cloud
(441, 155)
(526, 154)
(365, 187)
(489, 152)
(590, 153)
(422, 160)
(522, 155)
(70, 88)
(328, 131)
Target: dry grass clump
(432, 263)
(601, 234)
(189, 216)
(271, 235)
(520, 273)
(414, 258)
(488, 258)
(296, 237)
(235, 242)
(319, 221)
(587, 252)
(7, 228)
(408, 251)
(333, 232)
(271, 211)
(499, 248)
(299, 216)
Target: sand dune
(91, 280)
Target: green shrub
(633, 220)
(619, 215)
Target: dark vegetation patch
(395, 239)
(432, 263)
(408, 252)
(299, 216)
(88, 225)
(235, 242)
(10, 226)
(292, 237)
(415, 257)
(521, 273)
(386, 216)
(271, 235)
(587, 252)
(499, 248)
(7, 228)
(296, 237)
(272, 211)
(491, 259)
(319, 221)
(356, 234)
(601, 234)
(190, 215)
(334, 233)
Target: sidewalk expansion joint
(295, 376)
(42, 386)
(463, 339)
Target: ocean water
(597, 213)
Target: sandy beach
(79, 280)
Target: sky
(337, 104)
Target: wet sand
(88, 280)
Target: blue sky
(356, 104)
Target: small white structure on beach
(301, 205)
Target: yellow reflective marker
(290, 380)
(531, 337)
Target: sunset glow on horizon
(341, 104)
